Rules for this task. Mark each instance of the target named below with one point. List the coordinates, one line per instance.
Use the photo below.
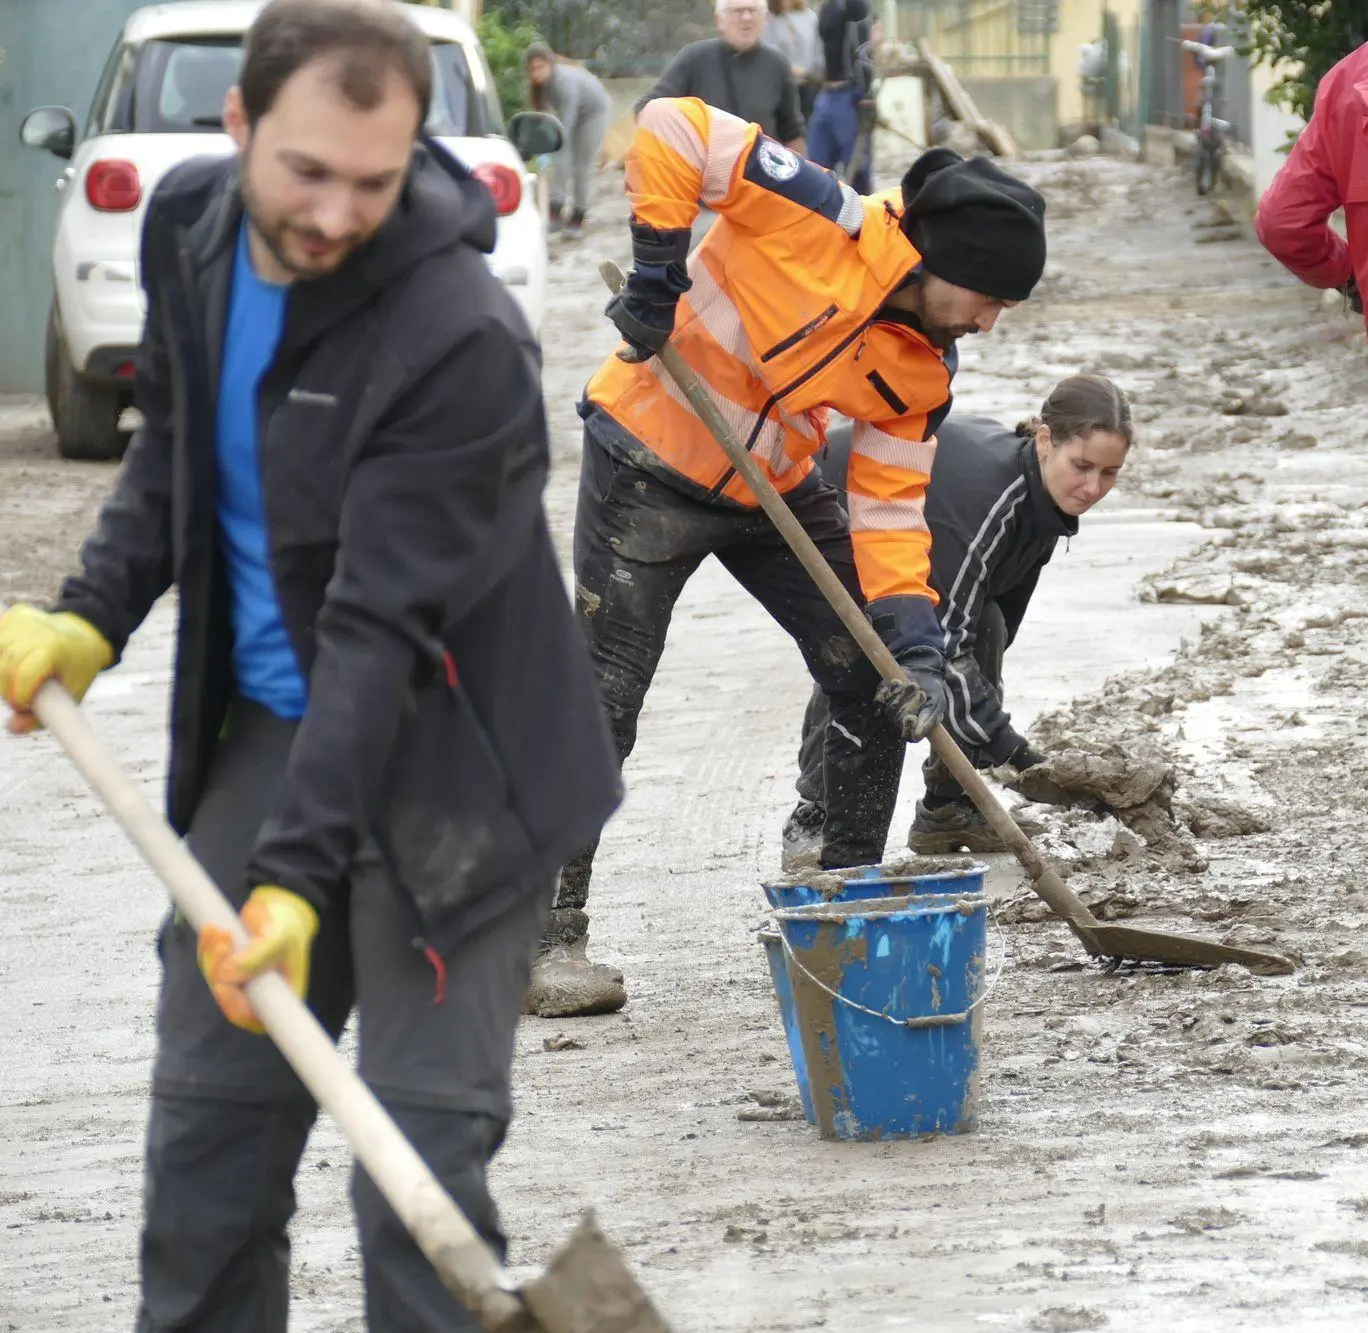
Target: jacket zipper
(794, 338)
(775, 398)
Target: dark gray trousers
(638, 541)
(230, 1119)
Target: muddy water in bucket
(884, 1012)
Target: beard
(944, 336)
(288, 241)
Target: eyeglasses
(745, 12)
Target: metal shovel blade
(1127, 943)
(587, 1288)
(1154, 946)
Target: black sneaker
(957, 827)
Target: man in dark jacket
(736, 72)
(997, 504)
(385, 734)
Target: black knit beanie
(974, 225)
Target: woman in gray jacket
(585, 109)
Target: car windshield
(177, 86)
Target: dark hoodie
(452, 710)
(993, 529)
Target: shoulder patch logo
(776, 161)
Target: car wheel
(85, 413)
(52, 360)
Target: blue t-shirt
(264, 664)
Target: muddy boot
(565, 984)
(953, 827)
(802, 848)
(958, 826)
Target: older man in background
(736, 72)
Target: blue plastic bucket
(881, 1010)
(774, 956)
(859, 882)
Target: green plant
(504, 44)
(1309, 36)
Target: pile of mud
(1123, 800)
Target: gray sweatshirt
(794, 36)
(575, 96)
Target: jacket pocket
(599, 469)
(797, 336)
(305, 469)
(447, 825)
(886, 391)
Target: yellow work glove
(282, 926)
(38, 646)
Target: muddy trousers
(638, 540)
(229, 1119)
(941, 788)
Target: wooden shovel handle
(1046, 882)
(465, 1263)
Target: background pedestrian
(585, 110)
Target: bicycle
(1211, 129)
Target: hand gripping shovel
(587, 1288)
(1101, 940)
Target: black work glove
(1353, 300)
(1031, 779)
(917, 705)
(1024, 757)
(644, 310)
(909, 627)
(645, 324)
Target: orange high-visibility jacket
(784, 322)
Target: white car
(159, 102)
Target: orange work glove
(38, 646)
(282, 926)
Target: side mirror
(535, 133)
(51, 128)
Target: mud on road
(1187, 1151)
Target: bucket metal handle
(917, 1020)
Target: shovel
(1100, 939)
(586, 1289)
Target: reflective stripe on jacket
(784, 322)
